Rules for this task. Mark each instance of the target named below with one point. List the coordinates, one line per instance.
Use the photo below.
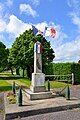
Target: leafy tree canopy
(22, 51)
(3, 55)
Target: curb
(39, 111)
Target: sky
(16, 16)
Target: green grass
(52, 83)
(4, 86)
(55, 84)
(26, 81)
(5, 73)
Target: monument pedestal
(38, 80)
(39, 95)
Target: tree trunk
(17, 71)
(23, 72)
(11, 71)
(29, 72)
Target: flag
(41, 32)
(38, 48)
(36, 31)
(50, 31)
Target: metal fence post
(20, 97)
(48, 85)
(67, 92)
(13, 87)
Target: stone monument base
(39, 95)
(36, 89)
(38, 81)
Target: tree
(22, 51)
(3, 56)
(79, 61)
(10, 61)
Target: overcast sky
(64, 15)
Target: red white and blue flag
(48, 31)
(36, 31)
(38, 48)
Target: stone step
(39, 95)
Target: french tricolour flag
(36, 31)
(50, 31)
(38, 48)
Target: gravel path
(1, 106)
(75, 91)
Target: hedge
(63, 69)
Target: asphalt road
(62, 115)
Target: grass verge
(4, 86)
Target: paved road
(1, 106)
(62, 115)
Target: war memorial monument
(37, 89)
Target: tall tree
(3, 56)
(22, 51)
(10, 61)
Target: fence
(62, 77)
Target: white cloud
(16, 26)
(35, 2)
(75, 12)
(76, 21)
(68, 52)
(2, 25)
(9, 2)
(26, 8)
(73, 3)
(41, 26)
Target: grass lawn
(54, 84)
(6, 85)
(25, 81)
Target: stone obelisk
(38, 78)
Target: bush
(63, 69)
